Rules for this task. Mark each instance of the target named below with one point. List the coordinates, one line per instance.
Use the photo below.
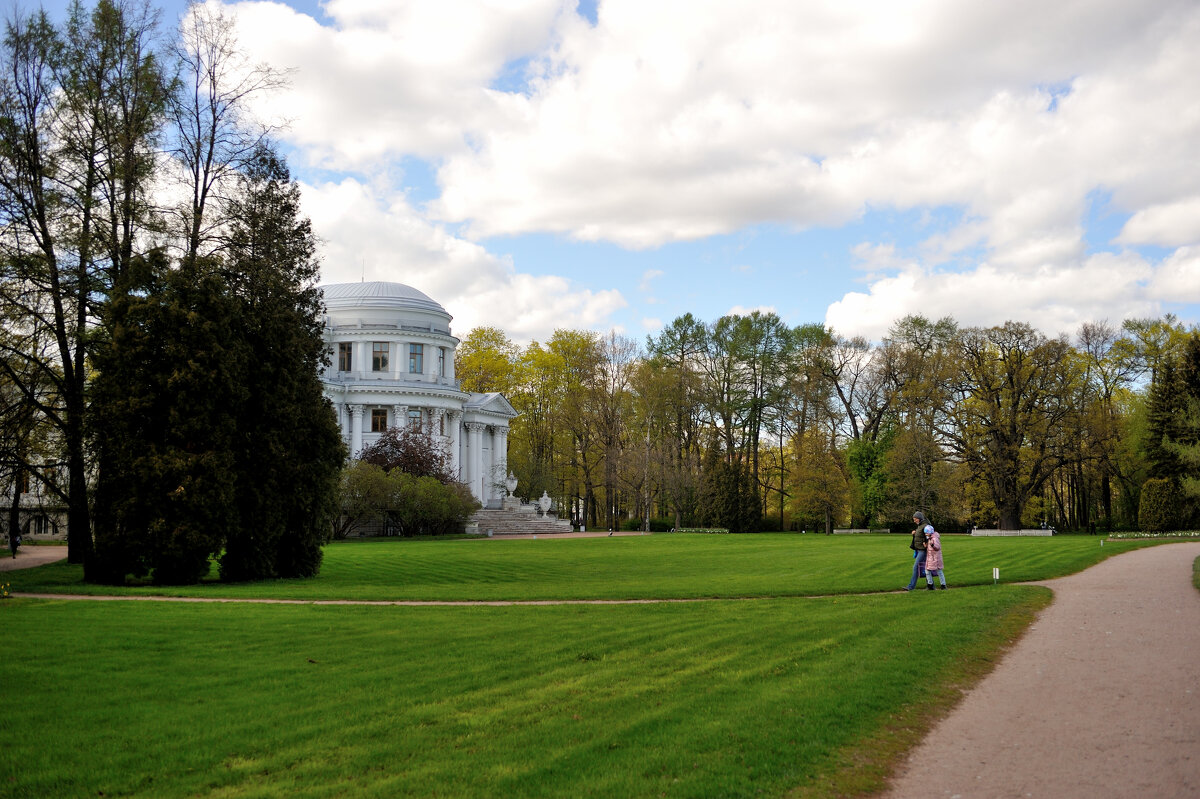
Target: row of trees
(745, 421)
(161, 343)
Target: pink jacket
(933, 550)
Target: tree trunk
(1106, 495)
(1010, 515)
(79, 523)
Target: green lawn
(694, 699)
(775, 696)
(657, 566)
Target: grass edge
(865, 768)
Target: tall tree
(215, 139)
(486, 361)
(577, 356)
(165, 400)
(1187, 444)
(613, 413)
(288, 452)
(671, 394)
(79, 116)
(1012, 401)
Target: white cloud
(1178, 279)
(878, 257)
(1170, 224)
(391, 77)
(369, 236)
(682, 119)
(741, 310)
(1052, 299)
(676, 122)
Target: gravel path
(29, 556)
(1100, 698)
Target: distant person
(933, 557)
(918, 546)
(14, 542)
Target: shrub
(410, 505)
(1161, 505)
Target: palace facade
(392, 363)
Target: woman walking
(918, 544)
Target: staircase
(516, 518)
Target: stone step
(513, 521)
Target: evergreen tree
(729, 497)
(288, 452)
(1164, 417)
(168, 386)
(1185, 443)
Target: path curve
(30, 556)
(1100, 698)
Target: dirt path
(1100, 698)
(30, 556)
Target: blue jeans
(918, 564)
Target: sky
(614, 164)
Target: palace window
(379, 356)
(416, 358)
(414, 417)
(378, 420)
(345, 358)
(441, 361)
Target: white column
(356, 412)
(475, 459)
(453, 419)
(401, 414)
(497, 471)
(500, 452)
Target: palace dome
(378, 295)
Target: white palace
(393, 363)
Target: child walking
(933, 557)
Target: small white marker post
(995, 576)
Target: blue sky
(535, 164)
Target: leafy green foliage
(1161, 504)
(163, 403)
(288, 452)
(486, 361)
(405, 480)
(866, 462)
(213, 434)
(729, 498)
(1165, 411)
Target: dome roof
(378, 294)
